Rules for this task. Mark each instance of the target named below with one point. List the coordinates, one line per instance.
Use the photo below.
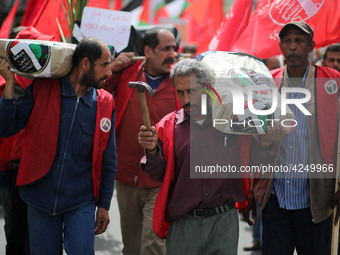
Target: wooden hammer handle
(145, 110)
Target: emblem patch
(331, 87)
(105, 125)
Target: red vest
(326, 111)
(10, 147)
(123, 94)
(165, 129)
(41, 133)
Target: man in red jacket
(199, 214)
(68, 159)
(136, 191)
(15, 210)
(296, 204)
(331, 58)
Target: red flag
(261, 39)
(32, 11)
(43, 18)
(7, 24)
(104, 4)
(118, 5)
(206, 17)
(149, 10)
(232, 26)
(144, 17)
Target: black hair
(190, 49)
(333, 47)
(151, 37)
(87, 48)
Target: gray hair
(188, 66)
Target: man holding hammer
(197, 215)
(136, 191)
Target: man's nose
(186, 97)
(292, 46)
(172, 53)
(108, 71)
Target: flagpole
(60, 30)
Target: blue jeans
(45, 231)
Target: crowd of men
(84, 132)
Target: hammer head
(141, 87)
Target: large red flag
(206, 17)
(7, 24)
(232, 26)
(261, 38)
(43, 17)
(32, 11)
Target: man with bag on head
(297, 204)
(199, 214)
(68, 161)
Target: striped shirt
(292, 187)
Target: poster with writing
(112, 27)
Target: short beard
(89, 81)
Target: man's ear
(147, 51)
(312, 46)
(85, 64)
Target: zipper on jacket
(63, 159)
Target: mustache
(168, 61)
(186, 106)
(293, 54)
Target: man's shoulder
(105, 98)
(169, 117)
(104, 93)
(134, 68)
(327, 72)
(277, 72)
(46, 85)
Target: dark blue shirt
(69, 184)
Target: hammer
(141, 87)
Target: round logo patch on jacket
(105, 125)
(331, 87)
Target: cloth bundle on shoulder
(37, 58)
(248, 99)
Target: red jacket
(10, 147)
(129, 120)
(325, 110)
(165, 129)
(41, 133)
